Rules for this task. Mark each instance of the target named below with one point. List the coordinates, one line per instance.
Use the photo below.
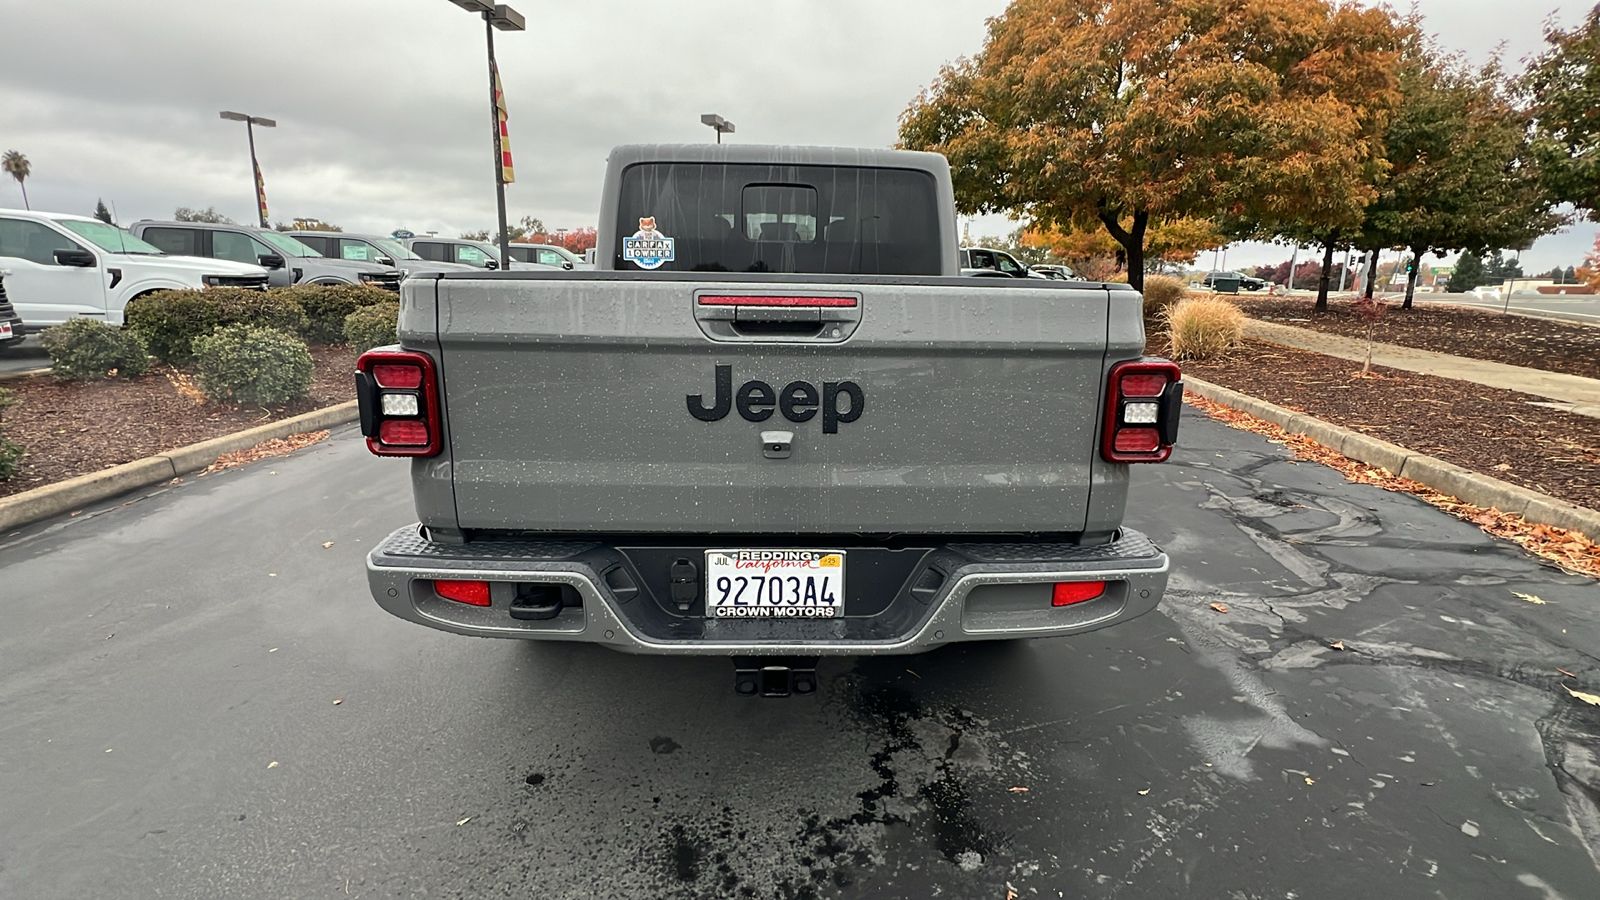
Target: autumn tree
(1564, 87)
(1461, 174)
(311, 224)
(1094, 253)
(1118, 114)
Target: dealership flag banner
(261, 190)
(506, 174)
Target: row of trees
(533, 231)
(1158, 124)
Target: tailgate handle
(820, 317)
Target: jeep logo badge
(798, 401)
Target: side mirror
(385, 261)
(77, 257)
(567, 264)
(490, 264)
(270, 261)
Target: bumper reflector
(1069, 592)
(472, 593)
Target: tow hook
(774, 676)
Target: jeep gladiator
(774, 423)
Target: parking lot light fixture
(250, 123)
(719, 124)
(496, 16)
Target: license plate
(5, 331)
(774, 584)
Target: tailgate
(922, 406)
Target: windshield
(109, 237)
(395, 249)
(287, 244)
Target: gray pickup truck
(774, 423)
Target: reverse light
(472, 593)
(399, 404)
(1067, 593)
(1144, 398)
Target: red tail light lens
(1143, 399)
(1069, 592)
(390, 375)
(472, 593)
(403, 433)
(1137, 440)
(399, 396)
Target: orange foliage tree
(1116, 114)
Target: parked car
(799, 461)
(1058, 273)
(63, 266)
(976, 259)
(547, 255)
(372, 248)
(10, 322)
(1246, 282)
(477, 254)
(287, 260)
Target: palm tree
(17, 166)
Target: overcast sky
(382, 105)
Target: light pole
(503, 17)
(250, 123)
(722, 126)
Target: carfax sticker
(648, 248)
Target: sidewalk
(1570, 393)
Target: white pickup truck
(61, 266)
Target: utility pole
(502, 17)
(250, 123)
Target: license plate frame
(806, 579)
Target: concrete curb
(6, 376)
(1448, 478)
(64, 496)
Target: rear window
(707, 217)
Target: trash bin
(1225, 284)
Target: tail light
(399, 399)
(1143, 402)
(472, 593)
(1067, 593)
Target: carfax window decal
(648, 248)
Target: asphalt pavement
(22, 355)
(1584, 308)
(199, 699)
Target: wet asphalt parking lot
(199, 699)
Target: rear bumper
(940, 593)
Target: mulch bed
(1498, 433)
(72, 428)
(1461, 331)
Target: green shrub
(1203, 327)
(83, 349)
(1162, 291)
(327, 305)
(252, 365)
(170, 320)
(371, 326)
(10, 451)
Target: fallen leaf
(464, 821)
(1565, 672)
(1219, 607)
(327, 544)
(1337, 645)
(913, 673)
(273, 764)
(273, 650)
(1018, 790)
(337, 702)
(1531, 598)
(1310, 780)
(1143, 792)
(1011, 892)
(1591, 699)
